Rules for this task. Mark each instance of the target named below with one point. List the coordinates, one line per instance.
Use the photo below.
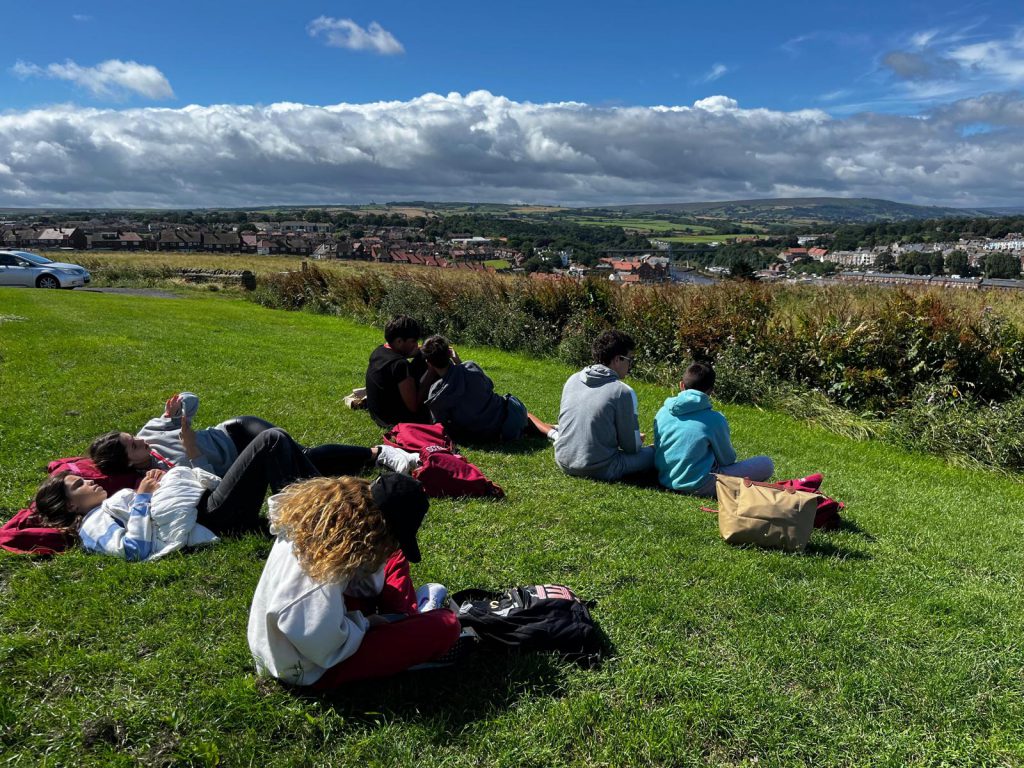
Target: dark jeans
(271, 461)
(330, 460)
(243, 429)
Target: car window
(6, 260)
(33, 258)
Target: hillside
(802, 210)
(894, 641)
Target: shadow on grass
(486, 684)
(848, 526)
(837, 551)
(523, 446)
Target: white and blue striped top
(121, 526)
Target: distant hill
(1013, 210)
(804, 210)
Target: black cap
(403, 503)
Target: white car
(31, 269)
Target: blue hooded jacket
(690, 440)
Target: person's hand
(151, 481)
(173, 407)
(643, 438)
(454, 356)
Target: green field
(497, 264)
(645, 225)
(895, 641)
(699, 238)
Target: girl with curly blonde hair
(336, 602)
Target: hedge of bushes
(934, 371)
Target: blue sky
(790, 85)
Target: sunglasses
(628, 359)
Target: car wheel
(47, 281)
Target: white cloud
(345, 33)
(485, 147)
(922, 39)
(714, 73)
(1002, 59)
(112, 78)
(946, 57)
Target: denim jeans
(271, 462)
(758, 468)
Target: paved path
(134, 292)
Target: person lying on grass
(691, 441)
(176, 508)
(463, 399)
(335, 602)
(169, 440)
(598, 424)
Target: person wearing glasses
(598, 424)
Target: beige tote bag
(763, 514)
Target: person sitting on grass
(691, 441)
(395, 387)
(169, 441)
(598, 424)
(463, 399)
(163, 512)
(335, 602)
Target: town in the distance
(769, 240)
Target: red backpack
(827, 516)
(22, 536)
(444, 473)
(415, 437)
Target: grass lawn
(896, 641)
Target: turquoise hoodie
(690, 440)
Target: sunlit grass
(895, 641)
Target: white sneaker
(553, 434)
(430, 597)
(396, 459)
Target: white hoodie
(298, 627)
(144, 526)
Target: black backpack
(542, 617)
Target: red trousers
(387, 649)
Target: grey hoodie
(597, 419)
(164, 435)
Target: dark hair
(52, 504)
(699, 376)
(109, 455)
(436, 351)
(610, 345)
(401, 327)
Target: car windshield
(34, 258)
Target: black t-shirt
(388, 369)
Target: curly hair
(336, 530)
(611, 344)
(437, 351)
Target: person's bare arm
(188, 438)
